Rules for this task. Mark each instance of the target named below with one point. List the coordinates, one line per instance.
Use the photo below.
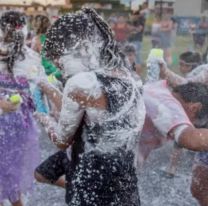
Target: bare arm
(53, 94)
(201, 76)
(194, 139)
(62, 133)
(77, 96)
(172, 78)
(175, 79)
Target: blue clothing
(138, 46)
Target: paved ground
(155, 188)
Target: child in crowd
(41, 24)
(130, 53)
(155, 33)
(19, 146)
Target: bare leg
(60, 182)
(199, 185)
(174, 159)
(146, 145)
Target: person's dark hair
(16, 50)
(41, 24)
(10, 23)
(129, 49)
(137, 12)
(12, 20)
(70, 29)
(194, 92)
(191, 58)
(173, 19)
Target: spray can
(153, 68)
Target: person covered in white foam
(101, 114)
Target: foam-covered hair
(15, 50)
(86, 24)
(11, 23)
(11, 20)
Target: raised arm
(175, 79)
(53, 94)
(172, 78)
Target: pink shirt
(163, 112)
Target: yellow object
(15, 99)
(52, 78)
(159, 53)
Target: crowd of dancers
(77, 83)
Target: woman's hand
(7, 106)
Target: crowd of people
(78, 78)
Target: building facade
(190, 8)
(164, 6)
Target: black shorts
(55, 166)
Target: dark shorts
(54, 167)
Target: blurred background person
(130, 53)
(155, 32)
(41, 25)
(136, 36)
(121, 30)
(200, 34)
(166, 34)
(174, 31)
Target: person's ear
(195, 108)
